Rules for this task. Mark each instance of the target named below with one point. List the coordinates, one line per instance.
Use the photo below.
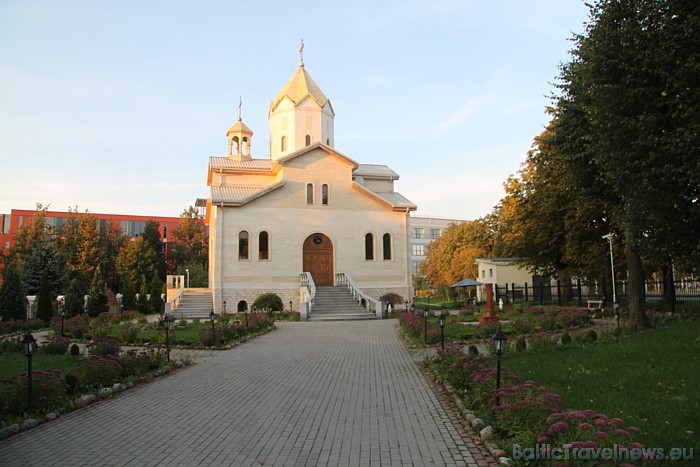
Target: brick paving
(308, 394)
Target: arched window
(324, 194)
(234, 145)
(308, 140)
(245, 148)
(386, 244)
(242, 306)
(243, 245)
(263, 245)
(328, 142)
(309, 194)
(369, 247)
(284, 144)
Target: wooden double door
(318, 258)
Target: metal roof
(375, 170)
(222, 162)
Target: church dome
(299, 87)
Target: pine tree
(12, 298)
(142, 302)
(73, 305)
(155, 303)
(98, 300)
(44, 305)
(128, 295)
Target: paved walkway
(308, 394)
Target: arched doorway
(318, 258)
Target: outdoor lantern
(443, 318)
(212, 317)
(224, 307)
(29, 347)
(63, 317)
(425, 327)
(290, 306)
(499, 342)
(406, 306)
(166, 323)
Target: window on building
(483, 273)
(328, 142)
(418, 232)
(490, 272)
(324, 194)
(434, 233)
(386, 246)
(263, 245)
(369, 247)
(308, 140)
(309, 194)
(283, 145)
(418, 250)
(243, 245)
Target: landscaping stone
(104, 393)
(470, 418)
(486, 433)
(9, 431)
(51, 416)
(70, 406)
(29, 423)
(500, 454)
(84, 401)
(505, 461)
(478, 424)
(118, 387)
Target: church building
(307, 212)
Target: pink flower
(623, 433)
(635, 446)
(579, 415)
(542, 439)
(557, 427)
(590, 444)
(542, 389)
(576, 444)
(634, 429)
(586, 427)
(616, 421)
(599, 422)
(601, 435)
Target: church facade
(306, 208)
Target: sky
(115, 107)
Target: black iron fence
(578, 293)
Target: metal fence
(577, 293)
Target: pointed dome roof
(239, 127)
(299, 87)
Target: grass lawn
(12, 364)
(651, 380)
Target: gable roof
(393, 200)
(375, 171)
(240, 195)
(318, 145)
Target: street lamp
(499, 344)
(166, 323)
(29, 347)
(443, 318)
(245, 312)
(405, 307)
(425, 326)
(224, 308)
(187, 272)
(609, 237)
(119, 298)
(212, 317)
(86, 300)
(290, 306)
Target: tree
(189, 240)
(45, 257)
(155, 303)
(74, 299)
(97, 303)
(151, 237)
(629, 111)
(199, 274)
(12, 297)
(137, 261)
(452, 256)
(128, 295)
(142, 301)
(44, 302)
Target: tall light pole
(187, 272)
(609, 237)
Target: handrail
(358, 294)
(179, 283)
(307, 301)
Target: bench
(595, 307)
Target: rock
(478, 424)
(500, 454)
(84, 401)
(470, 417)
(505, 461)
(129, 385)
(118, 387)
(486, 433)
(29, 423)
(104, 393)
(9, 431)
(51, 416)
(70, 406)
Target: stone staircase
(337, 304)
(194, 303)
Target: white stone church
(305, 217)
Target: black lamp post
(212, 317)
(245, 312)
(290, 307)
(443, 318)
(405, 307)
(413, 305)
(224, 308)
(499, 344)
(166, 323)
(425, 327)
(63, 317)
(29, 347)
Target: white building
(423, 231)
(306, 207)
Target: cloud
(469, 109)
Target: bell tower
(239, 137)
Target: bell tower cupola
(300, 115)
(239, 137)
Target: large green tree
(189, 243)
(137, 261)
(12, 297)
(151, 236)
(628, 116)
